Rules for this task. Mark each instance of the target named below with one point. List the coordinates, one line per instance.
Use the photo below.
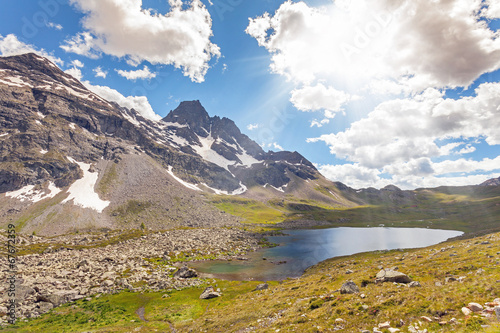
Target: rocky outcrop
(209, 293)
(349, 288)
(389, 275)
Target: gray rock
(392, 276)
(59, 297)
(209, 293)
(349, 288)
(185, 273)
(262, 286)
(44, 307)
(497, 311)
(414, 284)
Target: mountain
(71, 160)
(491, 182)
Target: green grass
(108, 179)
(303, 304)
(252, 211)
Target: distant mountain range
(71, 160)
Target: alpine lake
(300, 249)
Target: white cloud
(77, 63)
(380, 49)
(273, 145)
(139, 103)
(416, 43)
(406, 129)
(277, 146)
(99, 72)
(82, 44)
(319, 97)
(320, 123)
(10, 46)
(54, 26)
(415, 174)
(75, 72)
(124, 29)
(467, 150)
(252, 127)
(142, 74)
(493, 9)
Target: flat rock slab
(392, 276)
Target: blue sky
(372, 92)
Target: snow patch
(29, 193)
(82, 191)
(72, 126)
(206, 152)
(43, 151)
(242, 189)
(38, 122)
(186, 184)
(280, 189)
(3, 134)
(41, 115)
(15, 81)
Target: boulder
(209, 293)
(59, 297)
(392, 276)
(349, 288)
(185, 273)
(44, 307)
(475, 307)
(466, 311)
(414, 284)
(262, 286)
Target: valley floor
(119, 282)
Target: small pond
(300, 249)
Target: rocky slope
(70, 160)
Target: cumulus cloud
(401, 137)
(406, 53)
(139, 103)
(142, 74)
(75, 72)
(124, 29)
(415, 174)
(82, 44)
(319, 97)
(417, 43)
(252, 127)
(492, 11)
(77, 63)
(10, 46)
(405, 129)
(99, 72)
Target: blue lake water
(301, 249)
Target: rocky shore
(61, 274)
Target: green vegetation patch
(252, 211)
(132, 207)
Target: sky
(373, 92)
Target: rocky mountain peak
(193, 114)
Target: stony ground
(74, 267)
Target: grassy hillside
(451, 275)
(472, 209)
